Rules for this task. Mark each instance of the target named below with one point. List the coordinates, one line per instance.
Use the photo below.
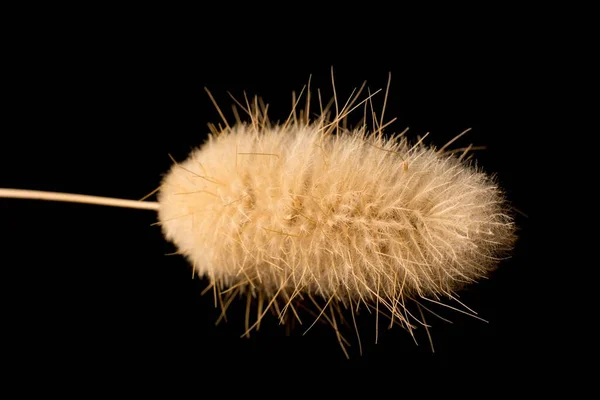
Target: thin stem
(77, 198)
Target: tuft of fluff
(351, 216)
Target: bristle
(344, 214)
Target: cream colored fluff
(347, 215)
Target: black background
(96, 108)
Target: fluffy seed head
(312, 208)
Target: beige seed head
(351, 216)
